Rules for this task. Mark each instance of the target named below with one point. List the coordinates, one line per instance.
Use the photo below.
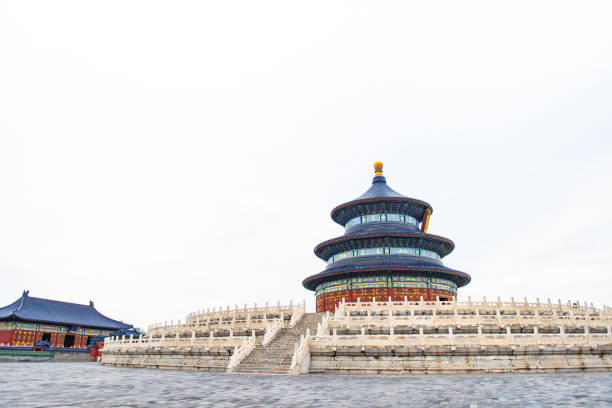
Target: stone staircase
(275, 358)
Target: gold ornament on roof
(378, 166)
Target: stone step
(264, 372)
(276, 357)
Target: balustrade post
(192, 338)
(451, 339)
(587, 335)
(480, 336)
(513, 302)
(176, 339)
(484, 302)
(421, 337)
(509, 339)
(334, 337)
(362, 338)
(536, 333)
(499, 302)
(587, 316)
(469, 301)
(562, 335)
(278, 307)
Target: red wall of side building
(329, 301)
(6, 336)
(28, 338)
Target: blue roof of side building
(52, 311)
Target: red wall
(6, 336)
(329, 301)
(28, 338)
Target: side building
(30, 319)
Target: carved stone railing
(297, 314)
(323, 327)
(340, 309)
(247, 317)
(300, 363)
(271, 331)
(477, 319)
(568, 308)
(452, 339)
(249, 324)
(241, 352)
(239, 313)
(123, 343)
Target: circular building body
(384, 253)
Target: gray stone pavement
(93, 385)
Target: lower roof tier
(389, 264)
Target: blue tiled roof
(394, 264)
(52, 311)
(380, 198)
(379, 189)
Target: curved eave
(411, 206)
(95, 326)
(325, 249)
(460, 278)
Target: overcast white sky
(163, 157)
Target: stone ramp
(275, 358)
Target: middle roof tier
(414, 239)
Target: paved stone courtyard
(93, 385)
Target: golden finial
(378, 168)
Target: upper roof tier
(33, 309)
(380, 198)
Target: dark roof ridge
(61, 301)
